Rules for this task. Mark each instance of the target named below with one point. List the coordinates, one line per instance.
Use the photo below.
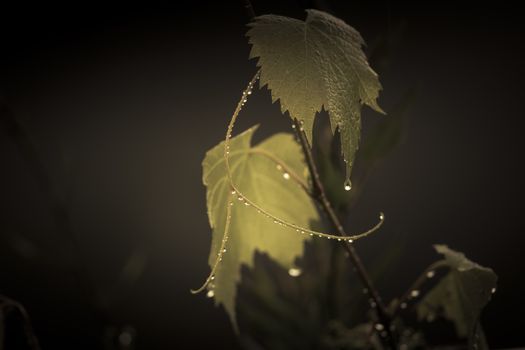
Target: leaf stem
(320, 195)
(417, 284)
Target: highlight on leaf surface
(316, 63)
(239, 229)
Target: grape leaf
(316, 63)
(273, 175)
(460, 295)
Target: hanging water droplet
(294, 272)
(430, 274)
(286, 176)
(210, 293)
(348, 185)
(414, 293)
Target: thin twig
(249, 9)
(321, 197)
(32, 340)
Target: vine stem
(320, 195)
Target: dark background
(120, 104)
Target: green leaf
(272, 174)
(316, 63)
(460, 295)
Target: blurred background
(107, 112)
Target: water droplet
(381, 216)
(350, 241)
(210, 293)
(279, 167)
(348, 185)
(233, 192)
(493, 290)
(286, 176)
(302, 232)
(250, 92)
(293, 126)
(240, 198)
(311, 234)
(339, 239)
(212, 278)
(430, 274)
(247, 204)
(379, 327)
(403, 305)
(224, 250)
(414, 293)
(294, 272)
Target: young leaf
(460, 296)
(314, 63)
(273, 175)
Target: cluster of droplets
(235, 193)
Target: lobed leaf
(316, 63)
(273, 175)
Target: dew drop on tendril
(294, 272)
(414, 293)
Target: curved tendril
(222, 249)
(304, 230)
(235, 191)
